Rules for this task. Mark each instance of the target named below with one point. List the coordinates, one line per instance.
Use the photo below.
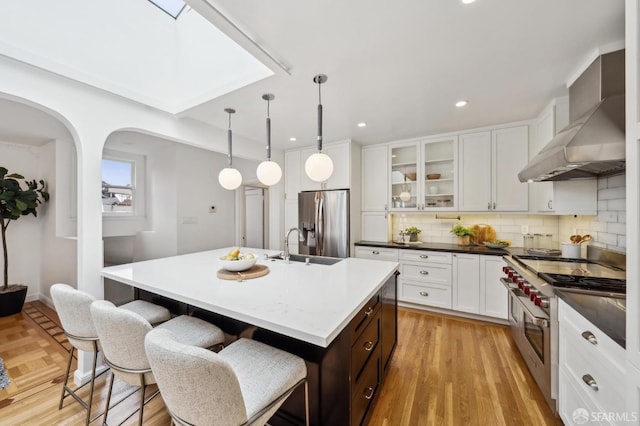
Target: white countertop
(312, 303)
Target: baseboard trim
(453, 313)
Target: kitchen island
(341, 318)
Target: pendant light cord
(319, 116)
(268, 130)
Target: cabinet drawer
(364, 390)
(425, 256)
(609, 397)
(570, 399)
(427, 273)
(364, 317)
(377, 253)
(366, 344)
(605, 349)
(430, 295)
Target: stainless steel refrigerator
(323, 218)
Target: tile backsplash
(608, 228)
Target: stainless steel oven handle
(540, 322)
(508, 283)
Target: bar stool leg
(306, 402)
(106, 410)
(143, 388)
(93, 381)
(66, 377)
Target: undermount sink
(319, 260)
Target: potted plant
(464, 234)
(16, 201)
(412, 232)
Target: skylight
(171, 7)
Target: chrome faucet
(286, 242)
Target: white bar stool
(72, 306)
(244, 384)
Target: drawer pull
(368, 393)
(424, 256)
(424, 272)
(369, 311)
(590, 381)
(375, 252)
(368, 346)
(424, 293)
(590, 337)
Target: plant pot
(464, 240)
(413, 238)
(12, 300)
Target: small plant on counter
(412, 232)
(463, 233)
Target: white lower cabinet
(592, 372)
(425, 278)
(458, 281)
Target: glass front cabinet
(423, 175)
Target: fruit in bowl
(497, 243)
(234, 261)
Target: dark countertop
(438, 247)
(607, 312)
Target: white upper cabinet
(340, 154)
(488, 169)
(375, 178)
(423, 175)
(561, 197)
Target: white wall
(24, 236)
(609, 227)
(507, 226)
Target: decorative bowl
(432, 176)
(410, 176)
(238, 265)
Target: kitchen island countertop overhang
(312, 303)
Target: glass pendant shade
(269, 172)
(229, 178)
(405, 196)
(318, 167)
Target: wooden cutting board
(254, 272)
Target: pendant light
(229, 177)
(269, 172)
(319, 166)
(405, 195)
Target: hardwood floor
(445, 370)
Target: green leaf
(3, 172)
(14, 176)
(21, 205)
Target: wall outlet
(524, 229)
(212, 209)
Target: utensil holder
(571, 251)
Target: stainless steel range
(533, 305)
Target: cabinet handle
(590, 337)
(368, 346)
(494, 205)
(368, 393)
(424, 293)
(590, 381)
(550, 204)
(375, 252)
(368, 312)
(489, 205)
(424, 272)
(424, 256)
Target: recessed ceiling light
(362, 124)
(468, 1)
(460, 104)
(293, 139)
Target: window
(171, 7)
(122, 184)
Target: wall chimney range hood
(593, 144)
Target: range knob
(533, 293)
(505, 269)
(521, 284)
(542, 301)
(527, 289)
(515, 277)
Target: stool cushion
(194, 331)
(155, 314)
(263, 372)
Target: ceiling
(398, 68)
